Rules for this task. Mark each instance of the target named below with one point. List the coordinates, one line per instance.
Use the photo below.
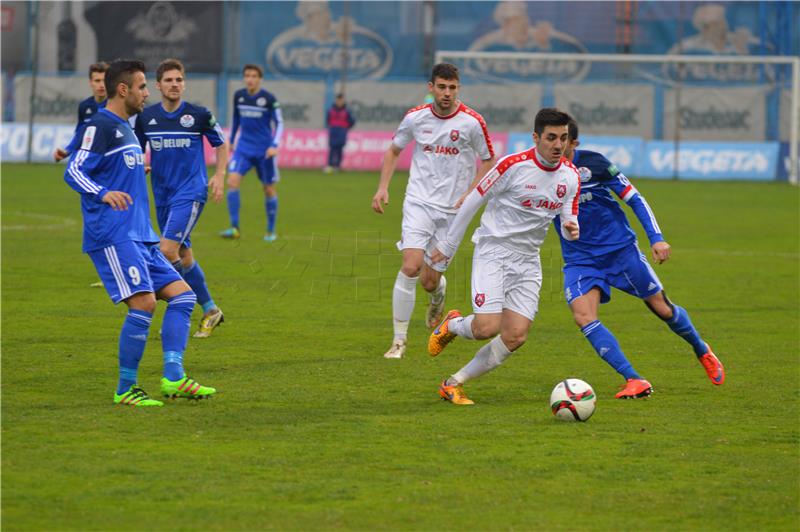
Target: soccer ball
(573, 400)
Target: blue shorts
(267, 169)
(130, 267)
(177, 221)
(626, 269)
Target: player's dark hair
(99, 67)
(169, 64)
(251, 66)
(122, 71)
(549, 116)
(572, 129)
(445, 71)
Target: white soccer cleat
(436, 309)
(398, 349)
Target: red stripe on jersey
(545, 168)
(451, 115)
(477, 116)
(501, 168)
(419, 108)
(576, 199)
(629, 191)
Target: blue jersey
(86, 111)
(178, 167)
(259, 117)
(110, 158)
(604, 227)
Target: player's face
(445, 94)
(136, 94)
(98, 85)
(251, 80)
(552, 143)
(171, 85)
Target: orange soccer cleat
(441, 335)
(635, 389)
(454, 394)
(714, 368)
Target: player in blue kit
(258, 114)
(175, 130)
(87, 108)
(607, 254)
(108, 172)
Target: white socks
(462, 326)
(486, 359)
(404, 296)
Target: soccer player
(449, 138)
(258, 114)
(87, 108)
(108, 172)
(175, 130)
(607, 254)
(522, 194)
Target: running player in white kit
(523, 194)
(449, 138)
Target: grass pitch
(313, 429)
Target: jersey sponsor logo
(159, 143)
(261, 102)
(585, 173)
(586, 196)
(152, 122)
(88, 137)
(480, 299)
(527, 203)
(118, 134)
(447, 150)
(427, 148)
(530, 186)
(187, 120)
(561, 190)
(454, 134)
(547, 204)
(249, 113)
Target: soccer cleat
(270, 237)
(454, 394)
(635, 389)
(208, 323)
(135, 396)
(397, 350)
(435, 311)
(98, 284)
(441, 335)
(231, 232)
(327, 170)
(714, 368)
(186, 388)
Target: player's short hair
(251, 66)
(445, 71)
(169, 64)
(122, 71)
(549, 116)
(572, 129)
(100, 67)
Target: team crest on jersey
(585, 173)
(454, 135)
(561, 190)
(88, 137)
(187, 120)
(261, 102)
(480, 299)
(130, 159)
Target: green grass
(313, 429)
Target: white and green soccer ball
(573, 400)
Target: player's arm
(390, 158)
(277, 120)
(483, 168)
(482, 145)
(63, 153)
(455, 232)
(216, 137)
(623, 188)
(570, 229)
(351, 119)
(81, 166)
(235, 122)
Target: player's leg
(237, 168)
(123, 271)
(175, 328)
(195, 277)
(336, 156)
(432, 277)
(268, 174)
(678, 320)
(404, 294)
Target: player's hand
(118, 200)
(573, 230)
(661, 252)
(59, 154)
(216, 185)
(381, 196)
(437, 256)
(461, 200)
(271, 152)
(147, 169)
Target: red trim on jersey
(545, 168)
(628, 190)
(419, 108)
(445, 117)
(476, 115)
(501, 168)
(576, 199)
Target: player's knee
(170, 250)
(233, 181)
(429, 283)
(482, 329)
(583, 317)
(144, 301)
(514, 339)
(660, 306)
(411, 269)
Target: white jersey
(443, 164)
(523, 197)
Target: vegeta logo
(321, 45)
(155, 143)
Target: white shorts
(423, 227)
(505, 279)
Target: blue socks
(132, 339)
(271, 204)
(608, 348)
(196, 279)
(175, 333)
(233, 207)
(683, 327)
